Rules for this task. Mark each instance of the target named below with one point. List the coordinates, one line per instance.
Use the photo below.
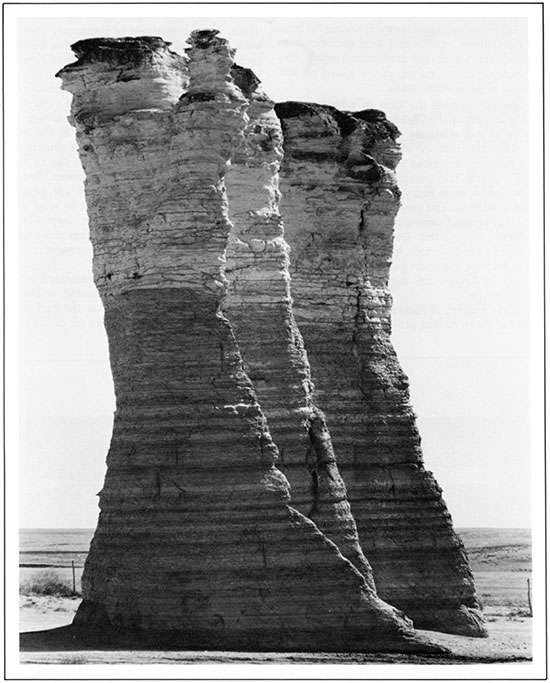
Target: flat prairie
(500, 560)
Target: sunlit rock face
(197, 540)
(339, 202)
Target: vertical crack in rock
(340, 199)
(259, 307)
(196, 544)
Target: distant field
(42, 550)
(491, 546)
(501, 563)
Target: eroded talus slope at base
(196, 540)
(339, 201)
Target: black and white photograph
(274, 341)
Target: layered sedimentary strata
(340, 199)
(259, 308)
(197, 539)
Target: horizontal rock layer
(197, 535)
(339, 201)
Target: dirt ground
(41, 612)
(510, 640)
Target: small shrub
(75, 659)
(47, 583)
(519, 613)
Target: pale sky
(457, 88)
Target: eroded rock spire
(340, 199)
(259, 307)
(197, 541)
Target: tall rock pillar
(197, 542)
(339, 202)
(259, 307)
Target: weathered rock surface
(259, 308)
(196, 537)
(339, 201)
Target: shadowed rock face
(197, 538)
(339, 200)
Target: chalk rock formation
(196, 539)
(259, 308)
(339, 202)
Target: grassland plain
(500, 559)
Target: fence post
(74, 580)
(529, 597)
